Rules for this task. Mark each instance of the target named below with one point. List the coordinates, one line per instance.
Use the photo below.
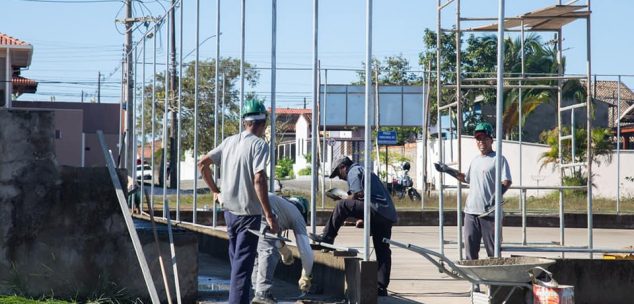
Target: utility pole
(130, 146)
(98, 87)
(172, 88)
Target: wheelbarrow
(512, 272)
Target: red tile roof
(290, 111)
(24, 85)
(8, 40)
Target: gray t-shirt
(288, 216)
(240, 157)
(481, 179)
(379, 197)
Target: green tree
(230, 68)
(479, 59)
(393, 70)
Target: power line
(71, 1)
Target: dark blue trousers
(243, 247)
(379, 228)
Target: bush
(284, 168)
(305, 171)
(575, 180)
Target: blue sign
(387, 138)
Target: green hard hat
(253, 110)
(485, 128)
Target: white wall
(301, 144)
(605, 175)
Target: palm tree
(539, 58)
(601, 151)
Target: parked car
(144, 172)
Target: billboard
(399, 106)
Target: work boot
(322, 238)
(263, 298)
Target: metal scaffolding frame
(517, 81)
(549, 19)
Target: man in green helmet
(242, 159)
(481, 179)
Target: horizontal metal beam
(520, 18)
(573, 165)
(527, 78)
(527, 187)
(447, 106)
(506, 86)
(469, 30)
(565, 137)
(564, 249)
(571, 107)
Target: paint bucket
(548, 291)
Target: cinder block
(361, 281)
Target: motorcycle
(403, 184)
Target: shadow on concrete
(395, 299)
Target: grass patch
(546, 204)
(22, 300)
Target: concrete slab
(415, 280)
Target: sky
(74, 40)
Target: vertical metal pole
(498, 130)
(8, 85)
(618, 146)
(441, 199)
(214, 212)
(173, 173)
(425, 134)
(129, 89)
(325, 153)
(242, 42)
(170, 50)
(121, 119)
(99, 91)
(314, 137)
(153, 138)
(273, 145)
(132, 172)
(165, 120)
(459, 127)
(143, 126)
(323, 149)
(377, 118)
(216, 77)
(180, 117)
(222, 133)
(560, 72)
(196, 72)
(589, 129)
(572, 132)
(520, 100)
(368, 146)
